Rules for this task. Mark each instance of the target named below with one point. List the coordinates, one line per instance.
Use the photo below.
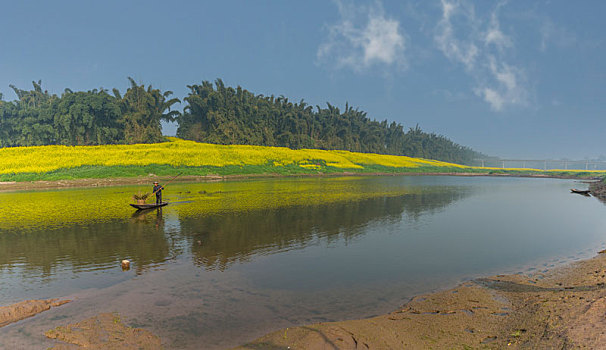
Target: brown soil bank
(104, 331)
(16, 312)
(598, 190)
(561, 309)
(78, 183)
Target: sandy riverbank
(104, 331)
(28, 308)
(563, 308)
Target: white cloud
(504, 74)
(363, 37)
(463, 51)
(482, 47)
(495, 36)
(492, 97)
(505, 86)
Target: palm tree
(144, 110)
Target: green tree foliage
(84, 118)
(29, 122)
(143, 110)
(418, 143)
(213, 113)
(87, 118)
(224, 115)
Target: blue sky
(521, 79)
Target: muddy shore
(598, 190)
(103, 331)
(28, 308)
(560, 309)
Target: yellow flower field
(177, 152)
(181, 153)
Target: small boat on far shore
(148, 206)
(583, 192)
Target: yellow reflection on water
(27, 210)
(39, 209)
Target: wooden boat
(148, 206)
(583, 192)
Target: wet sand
(28, 308)
(562, 308)
(104, 331)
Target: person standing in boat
(158, 191)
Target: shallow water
(227, 262)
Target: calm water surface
(227, 262)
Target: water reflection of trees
(431, 201)
(217, 241)
(88, 246)
(232, 233)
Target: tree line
(212, 113)
(93, 117)
(224, 115)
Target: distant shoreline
(9, 186)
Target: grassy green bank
(175, 156)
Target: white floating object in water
(125, 264)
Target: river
(226, 262)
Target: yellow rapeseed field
(177, 152)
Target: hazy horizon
(509, 79)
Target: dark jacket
(158, 189)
